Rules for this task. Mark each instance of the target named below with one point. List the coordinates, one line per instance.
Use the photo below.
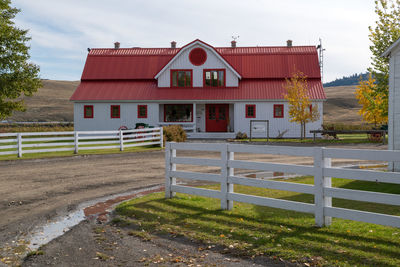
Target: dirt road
(33, 191)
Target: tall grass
(35, 127)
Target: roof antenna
(321, 58)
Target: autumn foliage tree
(385, 33)
(374, 104)
(300, 109)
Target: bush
(241, 135)
(345, 127)
(174, 133)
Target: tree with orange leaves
(300, 109)
(373, 101)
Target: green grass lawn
(81, 152)
(251, 230)
(342, 139)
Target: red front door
(217, 116)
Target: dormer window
(181, 78)
(214, 78)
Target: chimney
(289, 43)
(173, 44)
(117, 45)
(233, 44)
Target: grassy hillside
(341, 105)
(51, 103)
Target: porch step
(210, 135)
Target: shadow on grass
(267, 230)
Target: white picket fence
(42, 142)
(321, 170)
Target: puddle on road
(55, 229)
(98, 208)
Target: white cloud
(68, 27)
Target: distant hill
(347, 80)
(51, 103)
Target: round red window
(198, 56)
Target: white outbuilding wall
(394, 106)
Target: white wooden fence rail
(41, 142)
(321, 170)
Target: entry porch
(200, 120)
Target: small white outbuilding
(393, 52)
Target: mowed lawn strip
(81, 152)
(250, 230)
(342, 139)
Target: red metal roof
(249, 89)
(128, 74)
(274, 65)
(250, 62)
(123, 68)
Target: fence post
(169, 181)
(225, 172)
(19, 141)
(320, 200)
(231, 172)
(76, 142)
(121, 141)
(161, 137)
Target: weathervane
(235, 37)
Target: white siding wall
(155, 114)
(265, 111)
(394, 109)
(102, 117)
(183, 62)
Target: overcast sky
(62, 30)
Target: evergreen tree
(348, 80)
(18, 76)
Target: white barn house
(214, 92)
